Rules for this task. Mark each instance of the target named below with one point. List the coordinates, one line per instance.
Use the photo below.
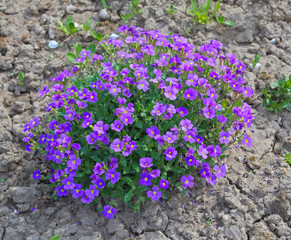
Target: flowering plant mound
(152, 114)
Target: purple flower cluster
(154, 110)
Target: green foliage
(126, 17)
(21, 78)
(288, 158)
(133, 5)
(87, 25)
(69, 27)
(187, 30)
(221, 20)
(55, 237)
(255, 61)
(171, 10)
(104, 4)
(278, 96)
(202, 15)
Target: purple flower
(152, 131)
(170, 153)
(143, 85)
(116, 145)
(202, 151)
(44, 91)
(189, 137)
(27, 139)
(145, 179)
(61, 191)
(145, 162)
(98, 169)
(169, 137)
(148, 49)
(74, 162)
(182, 111)
(190, 161)
(187, 181)
(100, 183)
(204, 172)
(224, 137)
(158, 109)
(112, 176)
(92, 192)
(68, 183)
(170, 92)
(36, 175)
(87, 122)
(126, 118)
(114, 90)
(247, 140)
(57, 88)
(209, 112)
(198, 139)
(91, 138)
(81, 104)
(155, 173)
(100, 128)
(117, 126)
(76, 191)
(164, 184)
(211, 180)
(186, 124)
(109, 212)
(70, 115)
(190, 94)
(221, 118)
(28, 147)
(155, 195)
(220, 171)
(248, 92)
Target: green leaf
(274, 85)
(68, 21)
(78, 48)
(2, 180)
(138, 124)
(87, 25)
(136, 206)
(224, 103)
(228, 23)
(21, 78)
(72, 28)
(92, 48)
(217, 5)
(71, 57)
(56, 237)
(129, 195)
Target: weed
(134, 7)
(278, 97)
(21, 78)
(171, 10)
(69, 27)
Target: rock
(103, 15)
(70, 9)
(22, 194)
(281, 205)
(233, 232)
(158, 235)
(260, 232)
(116, 5)
(19, 106)
(114, 225)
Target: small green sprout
(221, 20)
(126, 17)
(278, 97)
(87, 25)
(171, 10)
(133, 5)
(288, 158)
(69, 27)
(21, 78)
(201, 16)
(104, 4)
(55, 237)
(255, 63)
(2, 180)
(187, 30)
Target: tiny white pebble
(273, 40)
(257, 66)
(53, 44)
(114, 36)
(76, 25)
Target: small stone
(19, 106)
(53, 44)
(103, 15)
(70, 9)
(114, 36)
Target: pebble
(53, 44)
(103, 15)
